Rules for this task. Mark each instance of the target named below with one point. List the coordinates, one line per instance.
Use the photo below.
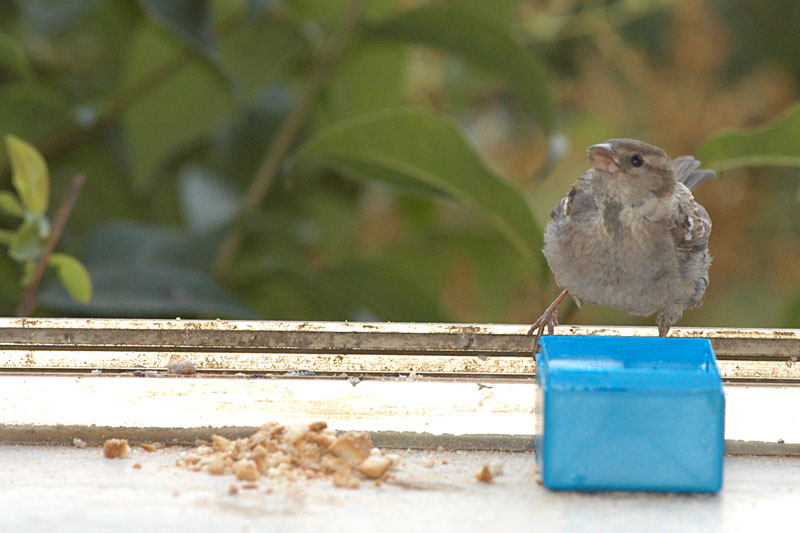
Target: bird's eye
(636, 160)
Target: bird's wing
(579, 199)
(686, 171)
(692, 226)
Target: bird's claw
(549, 320)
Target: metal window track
(752, 356)
(445, 361)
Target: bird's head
(636, 169)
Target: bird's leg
(548, 319)
(665, 322)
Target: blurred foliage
(28, 243)
(390, 159)
(777, 144)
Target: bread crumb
(344, 478)
(233, 490)
(220, 444)
(331, 463)
(181, 365)
(216, 467)
(148, 447)
(79, 443)
(316, 427)
(245, 470)
(428, 462)
(485, 475)
(137, 465)
(249, 486)
(190, 459)
(116, 448)
(375, 466)
(353, 447)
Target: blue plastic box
(629, 413)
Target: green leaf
(32, 112)
(133, 243)
(148, 290)
(372, 290)
(238, 146)
(415, 147)
(191, 22)
(259, 51)
(73, 276)
(368, 80)
(6, 236)
(791, 318)
(368, 170)
(498, 282)
(107, 198)
(29, 174)
(180, 110)
(10, 205)
(382, 290)
(10, 286)
(12, 57)
(151, 271)
(27, 242)
(479, 39)
(776, 144)
(502, 11)
(325, 14)
(189, 19)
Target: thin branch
(28, 301)
(286, 136)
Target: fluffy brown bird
(629, 234)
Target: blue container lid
(627, 364)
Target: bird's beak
(603, 157)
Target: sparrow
(630, 235)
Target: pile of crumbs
(291, 453)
